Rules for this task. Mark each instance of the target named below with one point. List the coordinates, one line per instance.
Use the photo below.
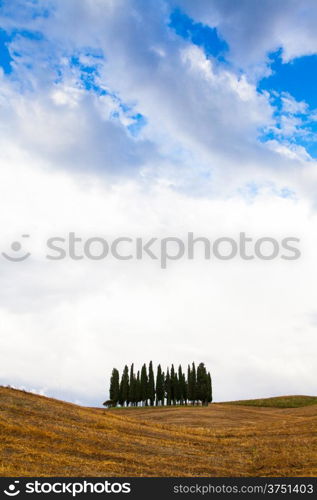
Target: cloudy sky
(156, 118)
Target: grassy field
(44, 437)
(279, 402)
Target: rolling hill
(279, 402)
(45, 437)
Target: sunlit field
(45, 437)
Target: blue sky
(199, 34)
(6, 59)
(158, 117)
(297, 77)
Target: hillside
(46, 437)
(278, 402)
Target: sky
(158, 118)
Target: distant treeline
(173, 387)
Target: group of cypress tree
(172, 387)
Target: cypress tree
(184, 386)
(209, 393)
(199, 383)
(132, 386)
(133, 393)
(151, 385)
(173, 385)
(138, 389)
(168, 387)
(202, 384)
(121, 400)
(189, 384)
(163, 385)
(193, 383)
(114, 387)
(180, 386)
(159, 386)
(144, 385)
(124, 387)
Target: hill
(45, 437)
(278, 402)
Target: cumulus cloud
(254, 30)
(146, 70)
(127, 95)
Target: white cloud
(65, 324)
(255, 29)
(203, 119)
(290, 105)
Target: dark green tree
(114, 387)
(188, 384)
(144, 385)
(132, 386)
(185, 389)
(173, 385)
(151, 385)
(124, 387)
(159, 386)
(180, 386)
(202, 384)
(168, 387)
(192, 384)
(163, 384)
(138, 389)
(209, 388)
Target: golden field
(45, 437)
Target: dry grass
(45, 437)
